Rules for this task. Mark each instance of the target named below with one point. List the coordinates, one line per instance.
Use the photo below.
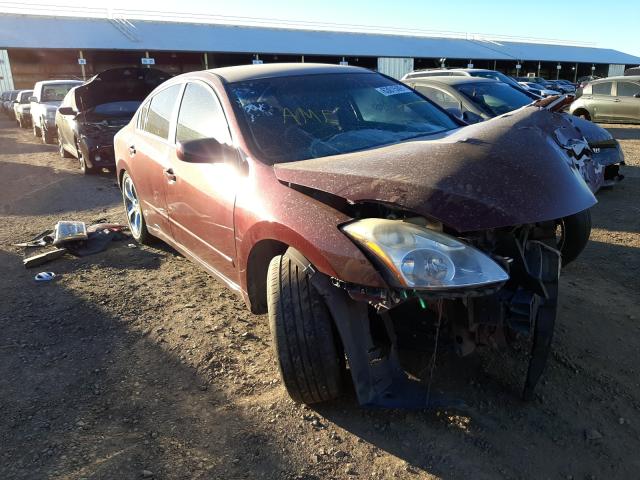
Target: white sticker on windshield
(392, 90)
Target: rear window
(494, 97)
(55, 92)
(603, 88)
(160, 110)
(628, 89)
(309, 116)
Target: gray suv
(613, 99)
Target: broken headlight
(419, 258)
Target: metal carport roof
(41, 32)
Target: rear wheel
(305, 344)
(573, 234)
(582, 114)
(133, 209)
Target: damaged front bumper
(608, 154)
(525, 306)
(99, 153)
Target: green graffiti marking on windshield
(302, 116)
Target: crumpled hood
(594, 134)
(118, 85)
(507, 171)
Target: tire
(47, 137)
(63, 153)
(138, 228)
(304, 342)
(574, 235)
(582, 114)
(82, 163)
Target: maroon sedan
(356, 212)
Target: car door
(150, 151)
(628, 103)
(201, 196)
(601, 101)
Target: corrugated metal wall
(6, 79)
(395, 67)
(615, 70)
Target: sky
(607, 24)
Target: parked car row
(354, 209)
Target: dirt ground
(134, 364)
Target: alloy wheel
(132, 206)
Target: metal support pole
(206, 60)
(82, 67)
(302, 59)
(495, 64)
(146, 54)
(575, 75)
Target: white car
(46, 98)
(21, 108)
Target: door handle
(132, 150)
(168, 172)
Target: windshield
(310, 116)
(496, 98)
(24, 96)
(113, 110)
(55, 92)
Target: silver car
(613, 99)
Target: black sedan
(92, 113)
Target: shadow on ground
(83, 396)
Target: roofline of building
(121, 34)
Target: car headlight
(424, 259)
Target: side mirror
(203, 150)
(33, 98)
(456, 112)
(67, 111)
(471, 117)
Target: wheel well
(120, 175)
(580, 111)
(257, 267)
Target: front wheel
(63, 153)
(47, 136)
(133, 209)
(85, 168)
(573, 235)
(305, 344)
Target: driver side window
(201, 116)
